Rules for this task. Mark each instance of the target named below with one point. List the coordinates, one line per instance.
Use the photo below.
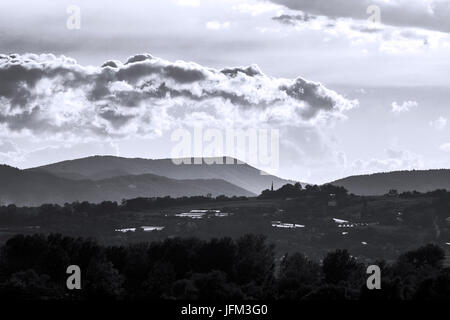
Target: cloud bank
(389, 38)
(46, 95)
(432, 14)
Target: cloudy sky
(349, 93)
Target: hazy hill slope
(23, 187)
(381, 183)
(101, 167)
(29, 188)
(126, 187)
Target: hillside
(381, 183)
(23, 187)
(103, 167)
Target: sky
(351, 86)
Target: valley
(377, 227)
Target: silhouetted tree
(297, 276)
(430, 255)
(33, 267)
(28, 285)
(338, 266)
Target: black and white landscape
(107, 178)
(225, 150)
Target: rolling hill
(104, 167)
(381, 183)
(35, 187)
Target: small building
(279, 224)
(340, 221)
(199, 214)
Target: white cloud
(49, 96)
(388, 39)
(404, 107)
(439, 124)
(430, 14)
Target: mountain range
(105, 167)
(101, 178)
(381, 183)
(35, 187)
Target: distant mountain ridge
(35, 187)
(101, 178)
(381, 183)
(103, 167)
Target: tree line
(34, 267)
